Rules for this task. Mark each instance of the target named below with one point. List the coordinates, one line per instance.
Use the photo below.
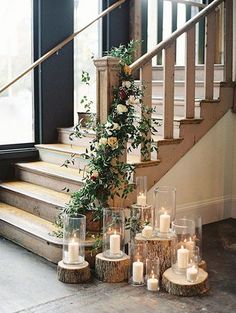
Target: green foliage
(106, 176)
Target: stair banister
(168, 46)
(60, 45)
(188, 25)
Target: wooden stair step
(30, 231)
(50, 175)
(34, 199)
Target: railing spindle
(228, 53)
(190, 73)
(169, 71)
(146, 80)
(210, 55)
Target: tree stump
(178, 285)
(73, 274)
(112, 270)
(158, 247)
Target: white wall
(203, 177)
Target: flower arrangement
(106, 175)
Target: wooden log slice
(178, 285)
(73, 274)
(158, 247)
(112, 270)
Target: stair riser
(63, 137)
(49, 251)
(54, 183)
(157, 74)
(39, 208)
(52, 156)
(180, 90)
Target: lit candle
(115, 243)
(152, 283)
(190, 245)
(192, 274)
(141, 199)
(138, 272)
(182, 257)
(147, 231)
(73, 251)
(164, 222)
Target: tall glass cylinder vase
(141, 190)
(113, 232)
(183, 244)
(164, 210)
(74, 233)
(141, 221)
(137, 253)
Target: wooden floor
(29, 284)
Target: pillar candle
(141, 199)
(115, 243)
(164, 222)
(192, 274)
(182, 257)
(73, 251)
(138, 272)
(152, 284)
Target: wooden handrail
(165, 43)
(60, 45)
(188, 2)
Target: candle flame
(115, 232)
(153, 276)
(182, 247)
(138, 260)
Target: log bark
(73, 274)
(158, 247)
(112, 270)
(178, 285)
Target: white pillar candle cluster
(147, 231)
(192, 274)
(142, 199)
(115, 243)
(138, 272)
(164, 222)
(182, 257)
(73, 251)
(152, 283)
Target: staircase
(30, 204)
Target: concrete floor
(28, 284)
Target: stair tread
(29, 223)
(182, 82)
(50, 169)
(65, 148)
(38, 192)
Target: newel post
(107, 77)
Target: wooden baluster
(169, 71)
(107, 78)
(190, 73)
(146, 80)
(228, 48)
(210, 55)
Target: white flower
(108, 124)
(121, 108)
(94, 173)
(132, 100)
(103, 141)
(116, 126)
(126, 84)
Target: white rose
(103, 141)
(95, 173)
(121, 108)
(126, 84)
(116, 126)
(108, 124)
(132, 100)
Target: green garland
(106, 176)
